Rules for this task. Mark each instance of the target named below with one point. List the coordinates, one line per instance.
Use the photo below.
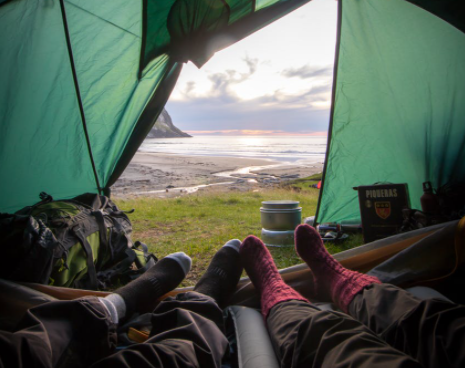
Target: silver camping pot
(280, 215)
(279, 219)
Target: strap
(148, 256)
(89, 257)
(122, 233)
(144, 247)
(105, 202)
(128, 261)
(104, 244)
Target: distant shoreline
(168, 175)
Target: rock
(169, 186)
(164, 128)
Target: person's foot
(158, 280)
(223, 273)
(264, 275)
(331, 280)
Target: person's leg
(60, 334)
(331, 280)
(77, 333)
(163, 277)
(430, 331)
(303, 335)
(188, 329)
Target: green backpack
(84, 242)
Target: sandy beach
(167, 175)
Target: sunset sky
(276, 81)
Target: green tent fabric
(39, 115)
(82, 82)
(63, 132)
(398, 103)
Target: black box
(381, 209)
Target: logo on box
(383, 209)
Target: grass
(199, 224)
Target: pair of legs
(187, 331)
(382, 325)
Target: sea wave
(282, 148)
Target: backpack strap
(122, 233)
(91, 272)
(104, 243)
(150, 258)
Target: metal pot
(278, 238)
(280, 215)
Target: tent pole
(333, 98)
(144, 39)
(78, 94)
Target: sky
(276, 81)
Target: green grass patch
(199, 224)
(303, 184)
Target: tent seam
(333, 98)
(78, 93)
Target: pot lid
(282, 204)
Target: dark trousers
(387, 327)
(187, 332)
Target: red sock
(263, 273)
(330, 278)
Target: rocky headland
(164, 128)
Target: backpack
(84, 242)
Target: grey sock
(233, 243)
(223, 273)
(115, 305)
(183, 259)
(141, 294)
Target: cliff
(164, 128)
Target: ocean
(280, 148)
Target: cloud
(322, 88)
(305, 98)
(220, 84)
(308, 71)
(279, 111)
(190, 86)
(213, 114)
(252, 64)
(221, 87)
(255, 98)
(231, 77)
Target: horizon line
(247, 132)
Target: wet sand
(167, 175)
